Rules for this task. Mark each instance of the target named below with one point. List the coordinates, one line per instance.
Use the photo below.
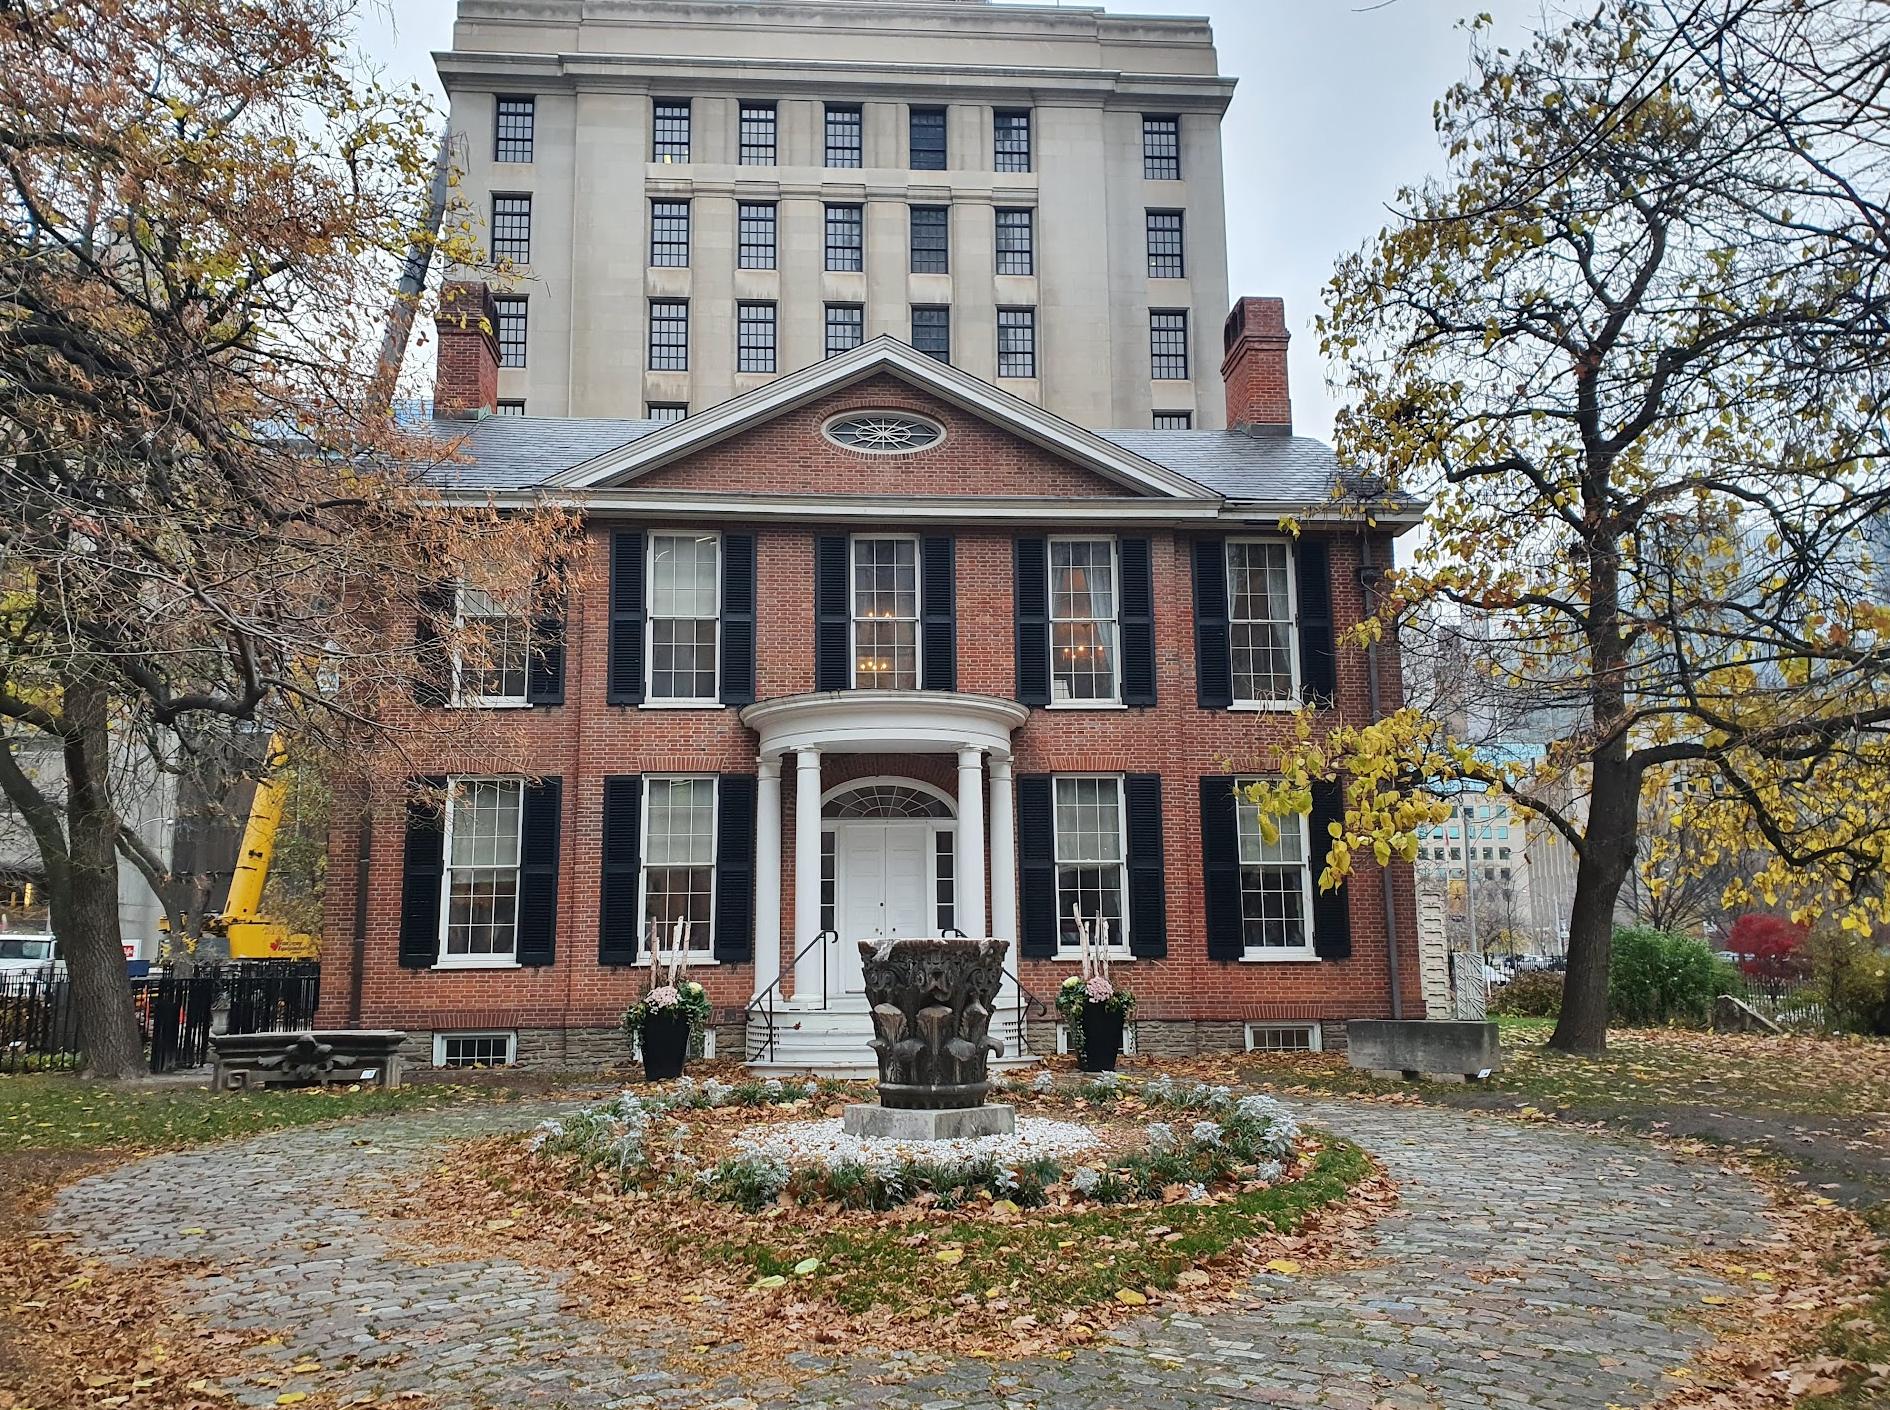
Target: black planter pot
(665, 1040)
(1102, 1038)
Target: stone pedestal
(894, 1123)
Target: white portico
(877, 857)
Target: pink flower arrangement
(1099, 990)
(664, 996)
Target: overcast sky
(1332, 115)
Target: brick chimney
(1254, 369)
(466, 372)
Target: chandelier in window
(884, 432)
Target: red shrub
(1769, 947)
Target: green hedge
(1657, 978)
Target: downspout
(1368, 577)
(358, 946)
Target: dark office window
(669, 234)
(671, 131)
(1164, 245)
(1016, 243)
(512, 131)
(754, 338)
(846, 243)
(931, 240)
(756, 224)
(1161, 148)
(1017, 342)
(932, 332)
(511, 331)
(669, 335)
(1013, 141)
(1174, 421)
(843, 136)
(928, 139)
(511, 408)
(757, 134)
(512, 228)
(667, 410)
(846, 327)
(1168, 345)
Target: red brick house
(879, 649)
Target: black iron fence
(39, 1021)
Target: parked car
(1494, 976)
(27, 953)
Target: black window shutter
(735, 869)
(938, 601)
(433, 665)
(1033, 623)
(625, 686)
(738, 619)
(619, 927)
(1318, 670)
(1331, 911)
(1148, 882)
(423, 873)
(832, 621)
(544, 677)
(1213, 658)
(538, 871)
(1036, 868)
(1137, 621)
(1220, 867)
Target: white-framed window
(475, 1049)
(1284, 1038)
(685, 620)
(491, 661)
(1083, 621)
(479, 892)
(678, 861)
(885, 597)
(1275, 886)
(1260, 612)
(1092, 862)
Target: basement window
(1283, 1038)
(475, 1049)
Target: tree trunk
(1606, 860)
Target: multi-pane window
(679, 862)
(1016, 242)
(755, 223)
(1174, 421)
(669, 130)
(1011, 144)
(846, 328)
(1260, 620)
(669, 335)
(1161, 148)
(1164, 245)
(1275, 903)
(685, 613)
(510, 314)
(490, 663)
(754, 337)
(1017, 342)
(931, 240)
(932, 331)
(886, 613)
(667, 411)
(511, 408)
(1168, 345)
(928, 139)
(944, 870)
(512, 228)
(1082, 619)
(843, 135)
(669, 234)
(1089, 853)
(846, 238)
(513, 120)
(473, 1049)
(480, 918)
(757, 134)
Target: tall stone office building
(702, 195)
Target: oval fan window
(884, 432)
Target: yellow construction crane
(251, 935)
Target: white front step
(833, 1043)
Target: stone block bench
(337, 1057)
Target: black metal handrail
(767, 996)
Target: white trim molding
(885, 721)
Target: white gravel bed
(827, 1144)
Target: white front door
(884, 890)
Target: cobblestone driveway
(1526, 1266)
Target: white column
(969, 891)
(807, 976)
(1003, 854)
(767, 874)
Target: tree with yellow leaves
(1632, 349)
